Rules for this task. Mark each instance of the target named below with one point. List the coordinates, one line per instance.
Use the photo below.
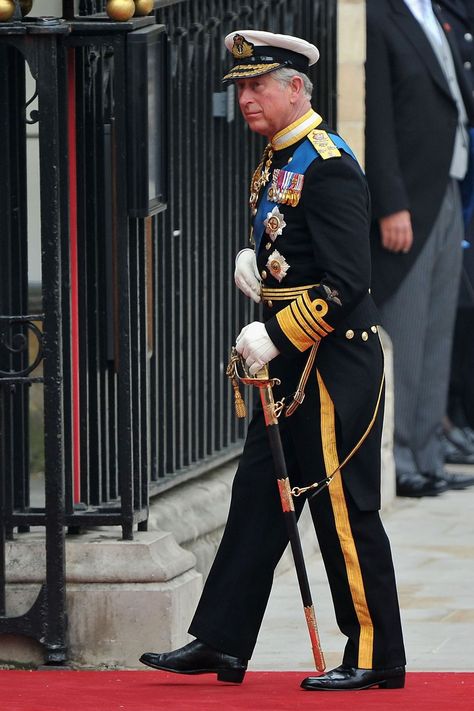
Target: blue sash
(301, 160)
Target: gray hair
(285, 75)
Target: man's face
(266, 104)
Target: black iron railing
(137, 314)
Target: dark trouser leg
(421, 364)
(358, 562)
(236, 592)
(461, 387)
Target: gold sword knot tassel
(239, 403)
(231, 372)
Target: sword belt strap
(299, 395)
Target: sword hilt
(238, 373)
(237, 369)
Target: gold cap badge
(241, 49)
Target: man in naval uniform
(310, 268)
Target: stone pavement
(433, 549)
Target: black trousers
(353, 543)
(461, 386)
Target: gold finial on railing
(7, 10)
(120, 10)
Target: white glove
(246, 274)
(256, 346)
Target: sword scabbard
(265, 384)
(314, 637)
(268, 404)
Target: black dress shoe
(452, 481)
(197, 658)
(416, 485)
(468, 433)
(346, 678)
(458, 446)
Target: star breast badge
(274, 224)
(277, 265)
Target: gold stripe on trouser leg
(343, 528)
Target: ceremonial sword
(265, 385)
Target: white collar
(296, 130)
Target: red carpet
(261, 691)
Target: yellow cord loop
(298, 491)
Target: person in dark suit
(418, 110)
(310, 266)
(457, 19)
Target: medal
(260, 177)
(274, 223)
(277, 265)
(286, 187)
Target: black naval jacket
(326, 244)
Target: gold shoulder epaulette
(324, 144)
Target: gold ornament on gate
(25, 6)
(7, 10)
(143, 7)
(120, 10)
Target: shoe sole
(468, 459)
(395, 683)
(235, 676)
(460, 486)
(421, 495)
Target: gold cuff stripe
(311, 328)
(343, 528)
(318, 315)
(293, 330)
(310, 316)
(308, 324)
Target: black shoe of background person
(468, 433)
(458, 446)
(197, 658)
(452, 481)
(346, 678)
(415, 485)
(455, 455)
